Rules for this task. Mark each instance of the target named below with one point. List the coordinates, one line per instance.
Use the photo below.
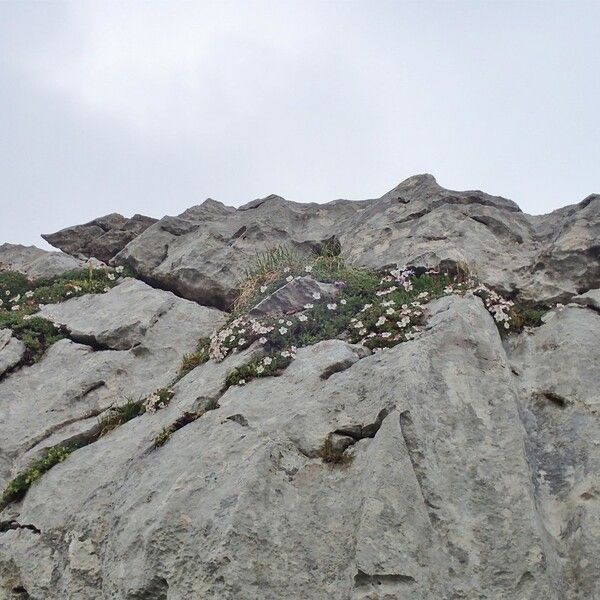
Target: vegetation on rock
(21, 298)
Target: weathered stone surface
(557, 367)
(293, 296)
(11, 351)
(34, 262)
(437, 501)
(142, 335)
(101, 238)
(591, 299)
(202, 253)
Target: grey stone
(591, 298)
(34, 262)
(11, 351)
(203, 253)
(435, 499)
(293, 296)
(101, 238)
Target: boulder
(36, 263)
(101, 238)
(293, 296)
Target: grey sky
(152, 107)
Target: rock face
(34, 262)
(469, 477)
(202, 253)
(101, 238)
(457, 465)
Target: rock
(203, 253)
(557, 366)
(101, 238)
(34, 262)
(434, 500)
(590, 299)
(139, 336)
(293, 296)
(125, 315)
(11, 351)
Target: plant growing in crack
(17, 487)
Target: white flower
(307, 306)
(283, 330)
(316, 295)
(267, 360)
(332, 306)
(280, 321)
(343, 301)
(289, 278)
(358, 325)
(111, 276)
(286, 270)
(260, 369)
(381, 321)
(241, 342)
(506, 325)
(386, 334)
(262, 340)
(389, 311)
(28, 294)
(308, 268)
(119, 269)
(7, 293)
(263, 289)
(106, 289)
(366, 307)
(15, 307)
(302, 318)
(288, 323)
(242, 382)
(27, 317)
(448, 289)
(362, 332)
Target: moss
(527, 315)
(18, 486)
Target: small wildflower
(283, 330)
(286, 270)
(262, 340)
(332, 306)
(289, 278)
(119, 269)
(111, 276)
(316, 295)
(302, 318)
(263, 289)
(308, 268)
(267, 360)
(343, 301)
(308, 306)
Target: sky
(152, 107)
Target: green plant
(164, 435)
(266, 366)
(196, 358)
(18, 486)
(117, 415)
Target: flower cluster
(498, 307)
(157, 400)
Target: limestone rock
(101, 238)
(203, 253)
(293, 296)
(591, 298)
(11, 351)
(34, 262)
(436, 501)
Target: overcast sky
(153, 107)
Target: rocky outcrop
(467, 478)
(202, 253)
(34, 262)
(101, 238)
(461, 463)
